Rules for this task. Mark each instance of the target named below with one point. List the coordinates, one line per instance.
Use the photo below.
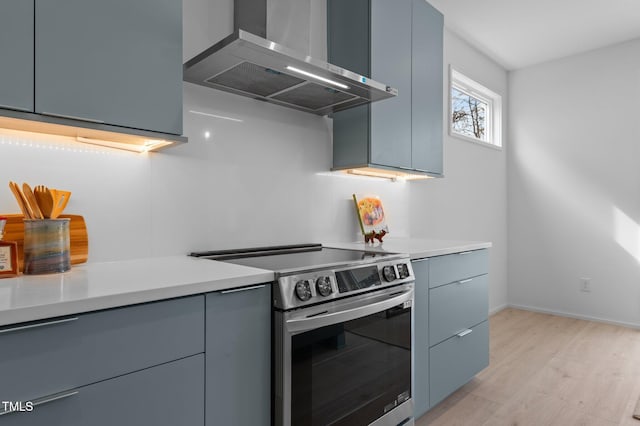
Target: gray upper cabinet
(238, 357)
(399, 43)
(16, 51)
(391, 63)
(117, 62)
(426, 85)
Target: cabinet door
(16, 51)
(427, 86)
(421, 337)
(391, 64)
(238, 353)
(117, 61)
(167, 395)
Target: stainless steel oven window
(346, 362)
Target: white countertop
(417, 248)
(94, 286)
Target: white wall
(259, 180)
(470, 202)
(574, 185)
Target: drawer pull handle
(42, 324)
(465, 252)
(73, 117)
(237, 290)
(465, 281)
(464, 333)
(45, 400)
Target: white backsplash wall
(261, 177)
(470, 202)
(574, 185)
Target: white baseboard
(572, 315)
(498, 309)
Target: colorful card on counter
(370, 215)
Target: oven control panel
(308, 288)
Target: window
(476, 112)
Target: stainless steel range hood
(248, 64)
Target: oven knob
(389, 273)
(303, 290)
(403, 270)
(323, 285)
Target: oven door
(346, 362)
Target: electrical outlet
(585, 285)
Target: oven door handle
(300, 325)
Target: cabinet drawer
(76, 351)
(457, 266)
(456, 307)
(455, 361)
(167, 395)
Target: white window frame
(493, 123)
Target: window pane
(468, 115)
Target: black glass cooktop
(283, 258)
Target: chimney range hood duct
(248, 64)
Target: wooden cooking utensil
(60, 200)
(45, 200)
(31, 200)
(22, 203)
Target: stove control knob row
(323, 285)
(303, 290)
(389, 273)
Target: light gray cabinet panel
(391, 64)
(426, 85)
(167, 395)
(458, 266)
(16, 51)
(116, 61)
(238, 357)
(421, 337)
(455, 361)
(456, 307)
(53, 356)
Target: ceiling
(520, 33)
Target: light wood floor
(549, 370)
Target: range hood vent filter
(313, 96)
(255, 79)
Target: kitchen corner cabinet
(16, 51)
(398, 43)
(238, 357)
(451, 332)
(117, 62)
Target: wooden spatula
(60, 200)
(31, 200)
(22, 203)
(45, 200)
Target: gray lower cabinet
(166, 395)
(46, 357)
(451, 328)
(117, 62)
(16, 51)
(421, 337)
(238, 357)
(458, 320)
